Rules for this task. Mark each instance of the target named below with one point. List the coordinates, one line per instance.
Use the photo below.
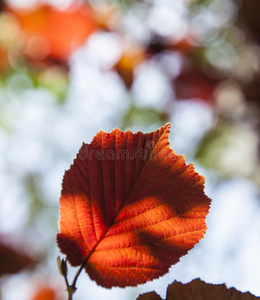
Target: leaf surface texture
(130, 207)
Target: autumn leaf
(131, 57)
(54, 33)
(198, 290)
(130, 207)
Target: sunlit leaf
(130, 207)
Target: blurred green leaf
(56, 80)
(143, 117)
(33, 190)
(226, 147)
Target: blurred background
(70, 68)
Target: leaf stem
(71, 289)
(79, 271)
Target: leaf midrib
(130, 191)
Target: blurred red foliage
(13, 259)
(52, 33)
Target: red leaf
(130, 207)
(14, 260)
(198, 289)
(195, 84)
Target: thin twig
(79, 271)
(71, 289)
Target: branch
(63, 269)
